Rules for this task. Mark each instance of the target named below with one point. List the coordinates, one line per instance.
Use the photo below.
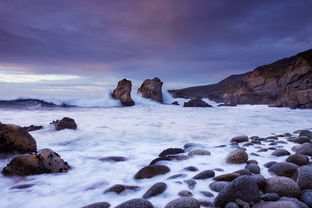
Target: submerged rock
(123, 92)
(151, 171)
(196, 103)
(14, 138)
(151, 88)
(119, 188)
(32, 128)
(135, 203)
(171, 151)
(156, 189)
(113, 159)
(45, 161)
(64, 123)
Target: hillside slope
(284, 83)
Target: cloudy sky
(84, 46)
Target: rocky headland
(284, 83)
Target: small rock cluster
(16, 139)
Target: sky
(82, 47)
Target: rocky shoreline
(288, 185)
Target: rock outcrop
(196, 103)
(64, 123)
(151, 88)
(284, 83)
(45, 161)
(14, 138)
(123, 92)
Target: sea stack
(123, 92)
(151, 88)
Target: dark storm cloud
(176, 39)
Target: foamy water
(139, 133)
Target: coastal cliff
(284, 83)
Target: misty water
(138, 133)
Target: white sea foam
(139, 133)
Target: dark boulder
(135, 203)
(119, 188)
(294, 200)
(185, 202)
(304, 149)
(300, 140)
(282, 186)
(298, 159)
(269, 164)
(237, 156)
(196, 103)
(306, 133)
(151, 88)
(154, 190)
(185, 193)
(243, 188)
(151, 171)
(306, 197)
(64, 123)
(14, 138)
(218, 185)
(191, 168)
(204, 175)
(123, 92)
(304, 177)
(45, 161)
(169, 158)
(226, 177)
(190, 183)
(175, 103)
(254, 168)
(98, 205)
(284, 169)
(231, 205)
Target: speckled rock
(185, 202)
(294, 200)
(154, 190)
(304, 149)
(283, 169)
(298, 159)
(135, 203)
(270, 197)
(306, 197)
(304, 177)
(98, 205)
(280, 152)
(282, 186)
(277, 204)
(218, 185)
(237, 156)
(254, 168)
(45, 161)
(226, 177)
(243, 187)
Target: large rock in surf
(184, 202)
(243, 188)
(45, 161)
(298, 159)
(64, 123)
(133, 203)
(282, 186)
(151, 88)
(196, 103)
(15, 138)
(237, 156)
(123, 92)
(284, 169)
(151, 171)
